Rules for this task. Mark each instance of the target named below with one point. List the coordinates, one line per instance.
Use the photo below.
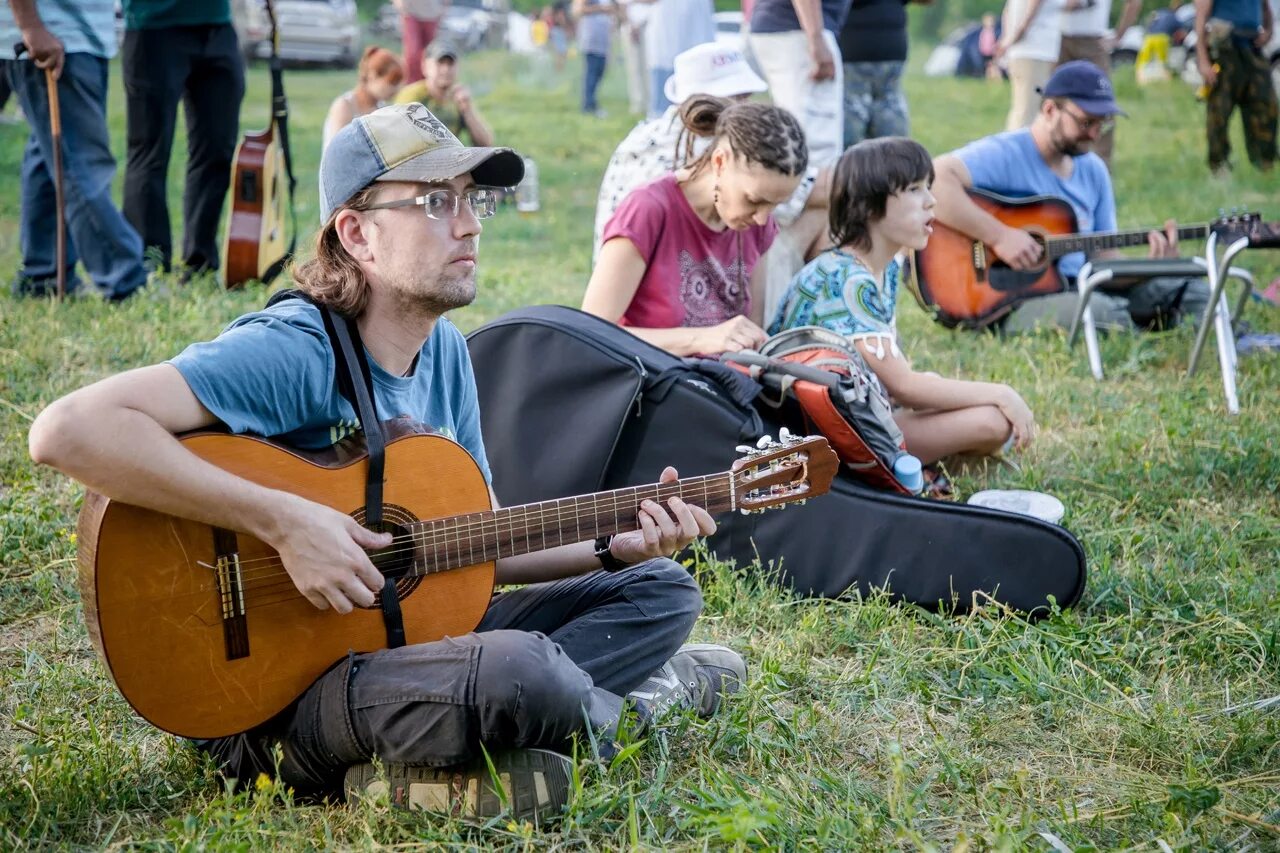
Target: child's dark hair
(867, 174)
(760, 133)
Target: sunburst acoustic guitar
(963, 283)
(206, 635)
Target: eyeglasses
(1089, 124)
(444, 204)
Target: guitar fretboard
(480, 537)
(1089, 243)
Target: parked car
(476, 24)
(325, 31)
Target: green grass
(865, 725)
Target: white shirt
(1043, 38)
(1093, 20)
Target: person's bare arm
(613, 285)
(931, 392)
(340, 115)
(663, 531)
(481, 133)
(1268, 25)
(759, 285)
(957, 210)
(1203, 62)
(1020, 27)
(117, 437)
(1128, 17)
(45, 48)
(809, 13)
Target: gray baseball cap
(405, 142)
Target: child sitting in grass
(881, 205)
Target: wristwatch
(608, 562)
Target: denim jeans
(546, 661)
(97, 233)
(874, 105)
(658, 102)
(591, 77)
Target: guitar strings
(484, 525)
(271, 576)
(275, 580)
(457, 541)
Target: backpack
(840, 397)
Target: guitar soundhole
(401, 561)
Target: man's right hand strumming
(323, 551)
(1017, 248)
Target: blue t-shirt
(835, 291)
(83, 26)
(779, 16)
(1244, 14)
(1010, 164)
(272, 373)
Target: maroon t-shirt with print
(693, 276)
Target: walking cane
(55, 129)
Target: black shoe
(535, 785)
(695, 677)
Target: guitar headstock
(1233, 226)
(774, 473)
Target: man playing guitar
(549, 660)
(1054, 157)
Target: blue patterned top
(836, 291)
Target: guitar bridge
(980, 260)
(230, 580)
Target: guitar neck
(1090, 243)
(480, 537)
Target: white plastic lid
(1022, 501)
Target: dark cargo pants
(546, 661)
(1244, 80)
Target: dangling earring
(715, 194)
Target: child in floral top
(881, 205)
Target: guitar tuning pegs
(744, 448)
(764, 441)
(785, 436)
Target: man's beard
(451, 291)
(1073, 148)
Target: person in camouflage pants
(1236, 74)
(874, 105)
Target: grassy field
(1122, 724)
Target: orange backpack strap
(853, 451)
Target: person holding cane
(73, 42)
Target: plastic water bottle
(527, 192)
(909, 472)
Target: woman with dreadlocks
(678, 264)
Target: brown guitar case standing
(262, 188)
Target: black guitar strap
(348, 349)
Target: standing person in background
(378, 79)
(558, 35)
(77, 43)
(1229, 39)
(419, 23)
(595, 33)
(673, 27)
(635, 16)
(1084, 36)
(873, 45)
(445, 98)
(180, 50)
(794, 41)
(1030, 42)
(987, 37)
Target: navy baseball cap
(1085, 85)
(405, 142)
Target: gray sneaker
(535, 785)
(695, 677)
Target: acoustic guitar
(256, 246)
(206, 635)
(962, 281)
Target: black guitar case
(571, 404)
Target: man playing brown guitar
(402, 201)
(1054, 157)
